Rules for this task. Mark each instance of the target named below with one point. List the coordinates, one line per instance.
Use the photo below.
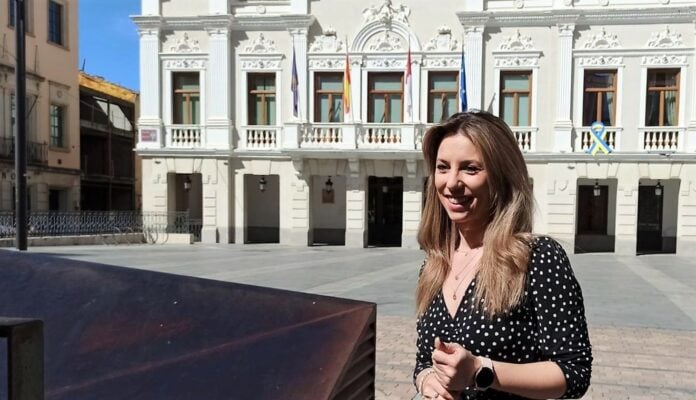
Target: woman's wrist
(422, 376)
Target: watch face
(485, 378)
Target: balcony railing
(37, 153)
(585, 138)
(380, 136)
(526, 137)
(260, 137)
(185, 136)
(662, 138)
(322, 136)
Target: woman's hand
(454, 365)
(433, 389)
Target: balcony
(584, 139)
(526, 137)
(37, 153)
(662, 138)
(185, 136)
(260, 137)
(324, 136)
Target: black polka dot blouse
(548, 325)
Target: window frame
(662, 90)
(516, 93)
(614, 89)
(432, 92)
(187, 94)
(61, 126)
(318, 92)
(371, 94)
(61, 21)
(251, 94)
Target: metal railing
(37, 153)
(154, 226)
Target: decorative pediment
(192, 64)
(443, 41)
(516, 62)
(441, 62)
(600, 61)
(185, 45)
(516, 42)
(665, 39)
(261, 45)
(261, 64)
(385, 43)
(338, 63)
(386, 63)
(602, 40)
(328, 42)
(386, 13)
(664, 60)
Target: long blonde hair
(507, 239)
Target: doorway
(385, 211)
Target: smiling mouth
(460, 200)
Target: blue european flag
(463, 105)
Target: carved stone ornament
(260, 45)
(664, 60)
(261, 64)
(505, 62)
(441, 62)
(384, 62)
(665, 39)
(185, 45)
(602, 40)
(386, 13)
(443, 41)
(596, 61)
(516, 42)
(603, 3)
(518, 3)
(327, 63)
(184, 64)
(327, 43)
(385, 43)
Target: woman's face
(462, 182)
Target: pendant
(454, 296)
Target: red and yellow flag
(346, 87)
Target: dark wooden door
(384, 213)
(649, 235)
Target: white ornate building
(217, 125)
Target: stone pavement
(641, 310)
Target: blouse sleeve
(424, 347)
(561, 333)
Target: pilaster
(217, 7)
(626, 214)
(150, 121)
(299, 42)
(412, 205)
(356, 206)
(686, 214)
(240, 219)
(299, 232)
(150, 7)
(218, 84)
(473, 58)
(563, 125)
(560, 205)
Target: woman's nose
(453, 181)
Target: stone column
(218, 102)
(563, 125)
(215, 178)
(561, 193)
(154, 178)
(239, 208)
(356, 206)
(473, 58)
(299, 42)
(412, 205)
(690, 140)
(150, 121)
(626, 234)
(356, 77)
(298, 233)
(39, 196)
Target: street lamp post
(21, 126)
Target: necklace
(468, 268)
(468, 263)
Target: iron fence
(77, 223)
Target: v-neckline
(460, 302)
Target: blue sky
(109, 40)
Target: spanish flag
(346, 88)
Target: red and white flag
(408, 89)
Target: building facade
(229, 132)
(52, 120)
(107, 136)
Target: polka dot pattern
(548, 325)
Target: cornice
(595, 16)
(227, 21)
(147, 21)
(273, 22)
(618, 157)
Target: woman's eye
(472, 169)
(441, 167)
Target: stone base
(209, 234)
(686, 247)
(625, 246)
(409, 240)
(356, 239)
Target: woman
(500, 314)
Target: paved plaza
(641, 310)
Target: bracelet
(424, 374)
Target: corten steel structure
(51, 107)
(107, 137)
(217, 105)
(119, 333)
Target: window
(516, 94)
(662, 100)
(442, 95)
(262, 99)
(55, 22)
(592, 210)
(328, 97)
(57, 126)
(11, 14)
(599, 99)
(187, 98)
(30, 111)
(385, 97)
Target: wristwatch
(485, 376)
